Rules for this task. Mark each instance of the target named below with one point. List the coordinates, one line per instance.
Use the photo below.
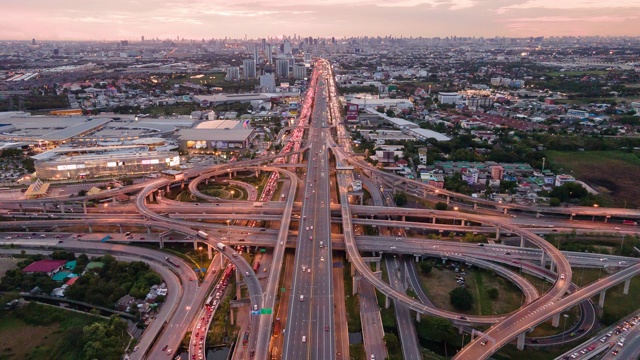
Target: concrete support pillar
(552, 267)
(231, 319)
(571, 217)
(120, 228)
(626, 286)
(433, 220)
(84, 207)
(475, 206)
(229, 174)
(210, 252)
(206, 181)
(238, 287)
(44, 208)
(62, 208)
(387, 302)
(497, 233)
(542, 260)
(424, 193)
(377, 265)
(555, 320)
(538, 215)
(418, 317)
(182, 184)
(505, 211)
(161, 242)
(448, 199)
(417, 258)
(150, 197)
(195, 245)
(148, 229)
(168, 188)
(404, 218)
(521, 241)
(521, 338)
(601, 299)
(361, 200)
(90, 229)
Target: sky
(198, 19)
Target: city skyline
(131, 19)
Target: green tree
(441, 206)
(400, 199)
(493, 293)
(392, 342)
(461, 298)
(425, 267)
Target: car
(574, 355)
(309, 270)
(373, 357)
(169, 351)
(307, 228)
(136, 348)
(321, 258)
(393, 248)
(165, 347)
(263, 229)
(141, 237)
(311, 227)
(484, 342)
(246, 273)
(255, 307)
(462, 318)
(311, 238)
(301, 298)
(561, 276)
(217, 204)
(615, 352)
(304, 339)
(480, 244)
(507, 253)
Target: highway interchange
(305, 215)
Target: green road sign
(283, 289)
(266, 311)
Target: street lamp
(564, 328)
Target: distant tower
(33, 41)
(233, 73)
(142, 38)
(264, 45)
(255, 53)
(249, 67)
(269, 54)
(282, 68)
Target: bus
(203, 234)
(245, 339)
(276, 327)
(256, 267)
(209, 300)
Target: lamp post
(564, 328)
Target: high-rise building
(255, 53)
(142, 38)
(307, 57)
(269, 54)
(268, 82)
(264, 45)
(282, 68)
(286, 47)
(299, 71)
(233, 73)
(249, 67)
(33, 41)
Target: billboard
(352, 112)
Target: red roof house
(49, 267)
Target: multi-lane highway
(310, 328)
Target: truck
(630, 222)
(258, 204)
(203, 234)
(276, 327)
(220, 246)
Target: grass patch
(545, 328)
(617, 185)
(352, 302)
(441, 280)
(356, 352)
(617, 305)
(43, 332)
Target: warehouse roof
(215, 134)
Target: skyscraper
(264, 45)
(299, 71)
(282, 68)
(269, 54)
(233, 73)
(249, 67)
(286, 47)
(255, 53)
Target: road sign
(266, 311)
(283, 289)
(256, 312)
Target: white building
(299, 71)
(448, 97)
(249, 67)
(233, 73)
(268, 82)
(282, 68)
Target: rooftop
(44, 266)
(215, 134)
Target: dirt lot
(7, 264)
(17, 339)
